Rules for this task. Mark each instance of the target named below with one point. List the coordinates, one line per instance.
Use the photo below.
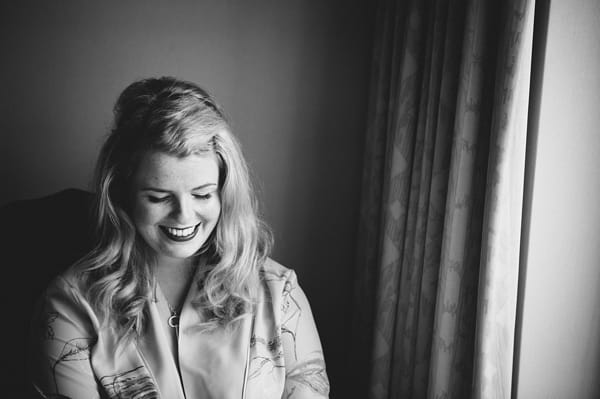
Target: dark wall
(292, 75)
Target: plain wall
(293, 77)
(560, 337)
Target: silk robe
(273, 353)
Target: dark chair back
(39, 238)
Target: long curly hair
(116, 277)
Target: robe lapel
(154, 348)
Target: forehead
(168, 172)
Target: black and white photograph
(370, 199)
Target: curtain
(438, 255)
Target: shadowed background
(292, 76)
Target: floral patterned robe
(274, 353)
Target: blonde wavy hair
(116, 277)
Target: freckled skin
(187, 195)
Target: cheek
(210, 213)
(145, 215)
(215, 211)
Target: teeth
(180, 232)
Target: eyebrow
(160, 190)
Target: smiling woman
(178, 298)
(176, 203)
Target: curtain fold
(437, 262)
(499, 267)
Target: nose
(183, 211)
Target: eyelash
(202, 197)
(157, 199)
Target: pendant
(174, 320)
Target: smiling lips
(180, 235)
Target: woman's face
(176, 203)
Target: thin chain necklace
(173, 320)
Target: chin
(184, 252)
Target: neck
(174, 277)
(165, 262)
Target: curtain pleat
(435, 282)
(499, 268)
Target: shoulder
(274, 270)
(277, 281)
(64, 297)
(66, 283)
(276, 277)
(281, 289)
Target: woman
(178, 299)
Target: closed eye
(157, 199)
(203, 196)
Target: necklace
(173, 320)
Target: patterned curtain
(438, 256)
